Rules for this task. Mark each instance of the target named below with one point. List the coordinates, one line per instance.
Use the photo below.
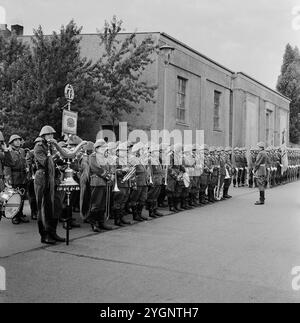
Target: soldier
(72, 142)
(5, 160)
(228, 172)
(244, 166)
(221, 161)
(44, 186)
(236, 164)
(214, 167)
(138, 196)
(16, 173)
(30, 170)
(157, 175)
(198, 169)
(205, 175)
(164, 149)
(260, 172)
(84, 174)
(188, 181)
(100, 178)
(120, 197)
(174, 180)
(251, 163)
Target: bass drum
(11, 203)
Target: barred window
(217, 97)
(181, 99)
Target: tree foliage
(34, 73)
(119, 71)
(289, 85)
(37, 97)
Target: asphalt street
(231, 251)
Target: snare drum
(10, 201)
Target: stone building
(196, 93)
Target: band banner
(69, 122)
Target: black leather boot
(151, 211)
(123, 220)
(135, 214)
(117, 218)
(57, 238)
(49, 240)
(261, 199)
(140, 211)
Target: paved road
(227, 252)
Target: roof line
(265, 86)
(89, 34)
(196, 52)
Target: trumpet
(129, 174)
(116, 188)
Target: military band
(121, 178)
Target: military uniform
(213, 164)
(204, 177)
(121, 197)
(228, 172)
(31, 169)
(157, 174)
(138, 195)
(16, 174)
(262, 161)
(100, 177)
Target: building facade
(196, 93)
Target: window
(269, 130)
(181, 100)
(217, 97)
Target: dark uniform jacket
(99, 174)
(261, 162)
(5, 160)
(16, 172)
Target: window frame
(181, 99)
(217, 126)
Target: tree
(118, 72)
(12, 55)
(289, 85)
(53, 62)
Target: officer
(100, 178)
(16, 173)
(260, 172)
(44, 186)
(156, 175)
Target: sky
(243, 35)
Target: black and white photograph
(149, 154)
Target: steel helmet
(13, 137)
(38, 139)
(47, 130)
